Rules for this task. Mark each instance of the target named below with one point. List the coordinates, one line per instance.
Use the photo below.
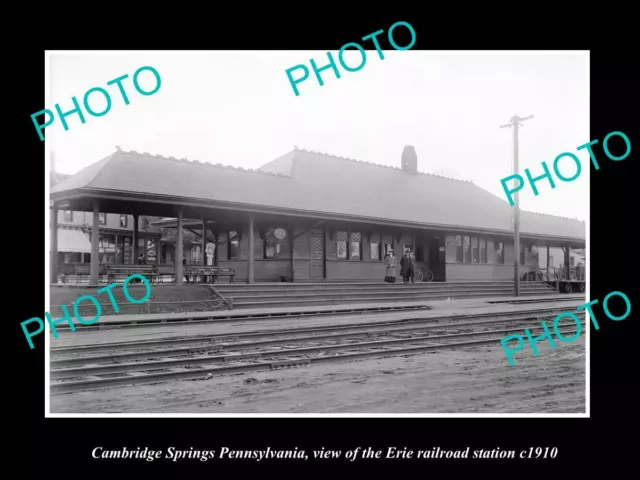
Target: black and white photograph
(398, 240)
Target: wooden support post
(548, 258)
(250, 254)
(54, 245)
(290, 233)
(180, 235)
(215, 251)
(94, 273)
(134, 249)
(203, 241)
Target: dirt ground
(474, 380)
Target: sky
(238, 108)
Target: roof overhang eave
(125, 196)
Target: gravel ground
(473, 380)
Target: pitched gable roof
(318, 183)
(55, 178)
(372, 190)
(153, 174)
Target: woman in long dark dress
(390, 270)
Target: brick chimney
(410, 160)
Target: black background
(63, 446)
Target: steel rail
(75, 349)
(236, 316)
(68, 387)
(195, 317)
(522, 300)
(90, 310)
(204, 346)
(74, 372)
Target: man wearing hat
(407, 265)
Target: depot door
(437, 258)
(316, 257)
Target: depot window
(233, 246)
(375, 244)
(273, 243)
(459, 253)
(466, 248)
(500, 253)
(107, 249)
(349, 245)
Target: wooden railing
(556, 273)
(170, 306)
(226, 302)
(204, 273)
(110, 273)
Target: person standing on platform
(184, 274)
(390, 271)
(141, 259)
(407, 268)
(412, 264)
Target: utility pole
(515, 123)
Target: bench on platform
(192, 272)
(119, 273)
(81, 269)
(80, 274)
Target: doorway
(437, 258)
(316, 255)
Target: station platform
(203, 297)
(226, 322)
(477, 304)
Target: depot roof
(317, 183)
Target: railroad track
(128, 363)
(193, 318)
(539, 300)
(199, 340)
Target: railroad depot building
(115, 240)
(310, 217)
